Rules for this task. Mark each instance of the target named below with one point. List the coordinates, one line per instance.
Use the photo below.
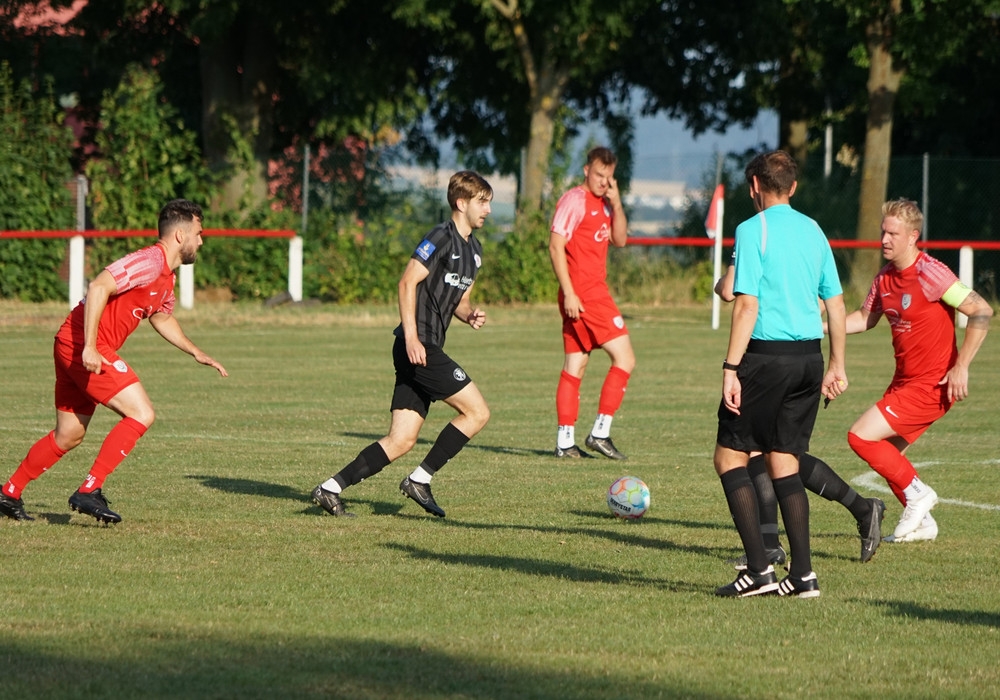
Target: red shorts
(912, 408)
(79, 390)
(600, 322)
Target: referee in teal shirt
(773, 373)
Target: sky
(666, 150)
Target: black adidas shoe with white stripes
(805, 587)
(749, 583)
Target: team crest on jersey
(425, 250)
(619, 322)
(906, 301)
(120, 366)
(479, 262)
(459, 374)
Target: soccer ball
(628, 498)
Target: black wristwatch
(727, 365)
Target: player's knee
(67, 439)
(145, 415)
(396, 446)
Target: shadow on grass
(249, 487)
(900, 608)
(539, 567)
(500, 449)
(166, 663)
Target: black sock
(767, 502)
(795, 514)
(370, 461)
(449, 443)
(742, 500)
(819, 477)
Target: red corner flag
(713, 222)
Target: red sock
(613, 391)
(115, 448)
(568, 399)
(42, 455)
(884, 458)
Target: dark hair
(603, 154)
(775, 172)
(177, 211)
(468, 185)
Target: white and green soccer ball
(628, 498)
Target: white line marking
(871, 480)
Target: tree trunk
(536, 159)
(883, 85)
(795, 138)
(236, 84)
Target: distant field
(224, 580)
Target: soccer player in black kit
(436, 285)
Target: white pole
(295, 268)
(77, 246)
(965, 275)
(187, 286)
(717, 263)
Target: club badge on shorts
(459, 374)
(120, 366)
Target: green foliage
(350, 262)
(35, 148)
(516, 266)
(147, 157)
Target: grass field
(225, 581)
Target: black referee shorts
(417, 387)
(781, 384)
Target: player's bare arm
(857, 321)
(466, 313)
(979, 313)
(101, 288)
(170, 330)
(835, 380)
(414, 274)
(619, 222)
(744, 319)
(557, 254)
(724, 286)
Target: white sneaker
(915, 511)
(927, 531)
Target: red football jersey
(923, 326)
(145, 287)
(585, 220)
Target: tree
(905, 44)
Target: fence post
(965, 274)
(77, 246)
(295, 268)
(187, 286)
(925, 203)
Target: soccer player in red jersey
(588, 218)
(89, 370)
(918, 295)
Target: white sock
(916, 490)
(331, 485)
(420, 476)
(566, 437)
(602, 426)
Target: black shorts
(417, 387)
(780, 398)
